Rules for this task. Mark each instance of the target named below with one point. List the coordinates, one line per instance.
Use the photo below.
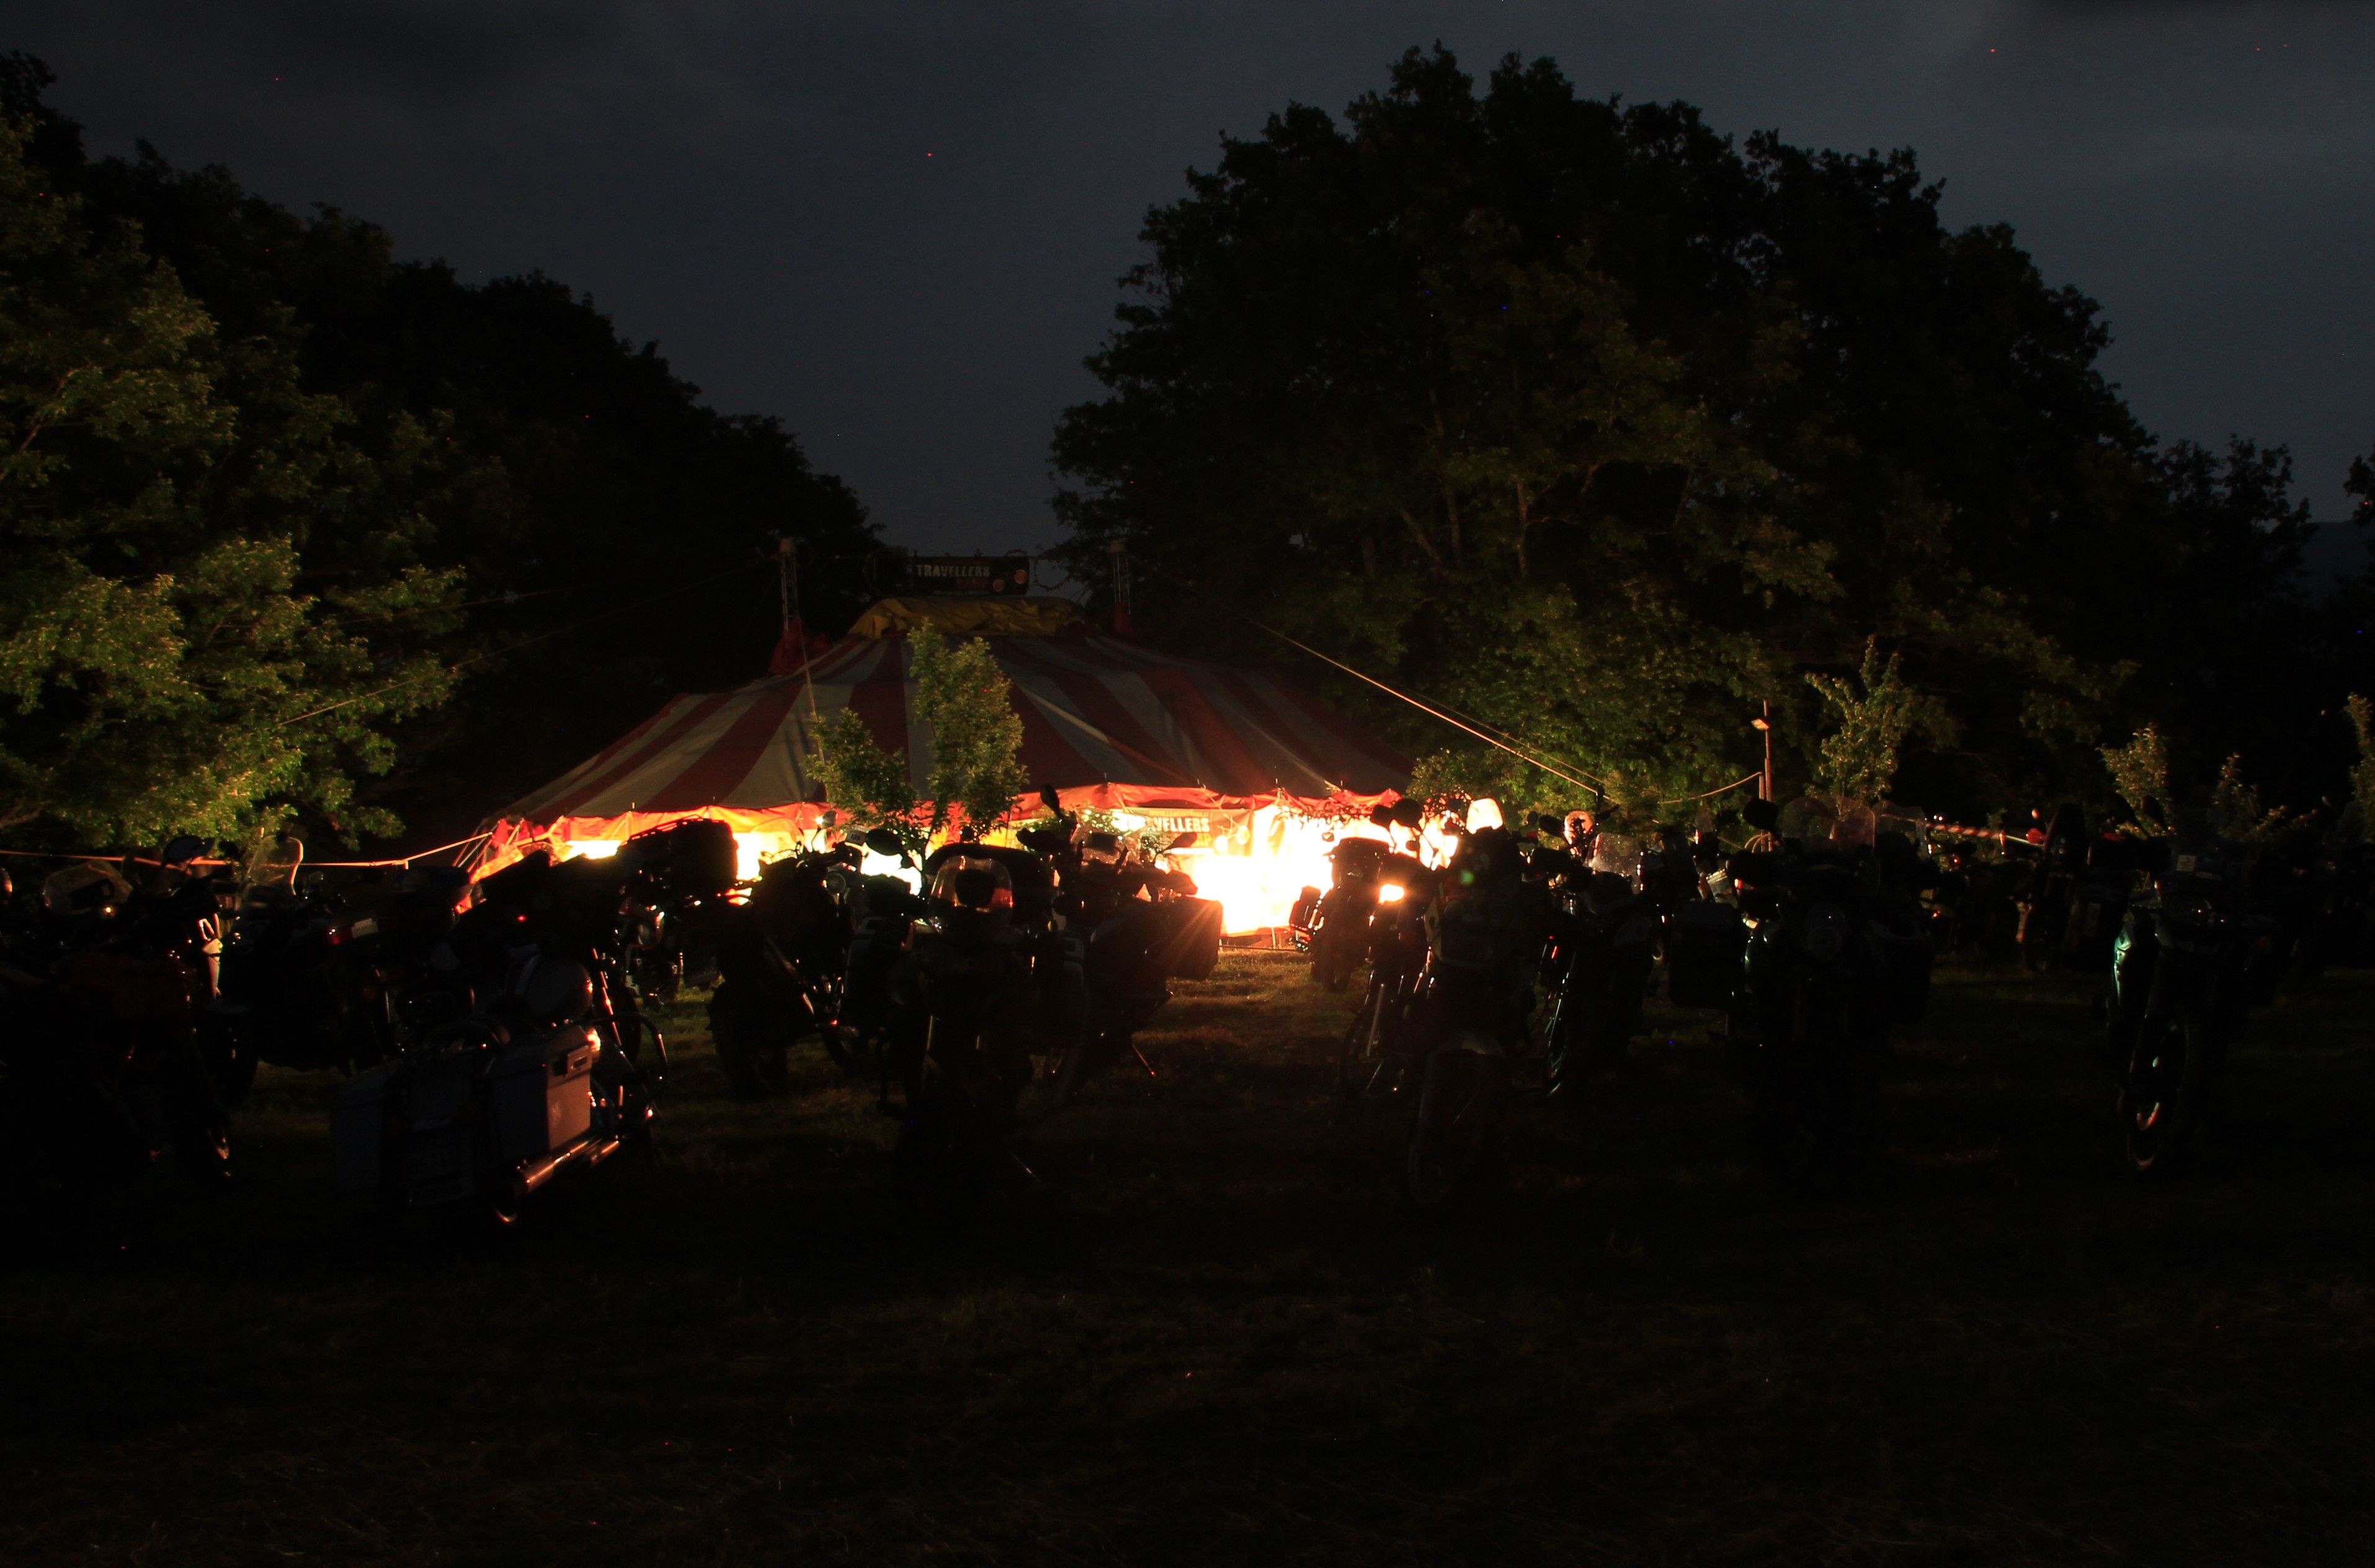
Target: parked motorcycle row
(489, 1050)
(495, 1042)
(498, 1040)
(1812, 948)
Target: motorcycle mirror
(182, 850)
(1381, 816)
(1408, 814)
(1547, 823)
(882, 841)
(1763, 815)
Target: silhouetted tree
(612, 533)
(1602, 427)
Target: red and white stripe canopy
(1109, 723)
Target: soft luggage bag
(691, 859)
(1193, 946)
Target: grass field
(1213, 1335)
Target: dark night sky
(897, 223)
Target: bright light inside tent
(591, 849)
(875, 864)
(753, 850)
(1389, 893)
(1257, 872)
(1484, 813)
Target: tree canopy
(1597, 428)
(162, 666)
(609, 535)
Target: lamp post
(1764, 784)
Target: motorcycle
(2191, 958)
(1442, 1042)
(101, 1071)
(2074, 901)
(525, 1057)
(780, 957)
(1332, 925)
(313, 982)
(2045, 904)
(883, 909)
(776, 944)
(1397, 953)
(960, 1042)
(1602, 954)
(1137, 929)
(1837, 956)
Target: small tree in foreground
(2236, 814)
(1859, 758)
(2362, 776)
(976, 735)
(2140, 772)
(865, 784)
(965, 699)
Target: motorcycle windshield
(1618, 853)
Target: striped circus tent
(1110, 724)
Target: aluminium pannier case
(543, 1094)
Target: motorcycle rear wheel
(1363, 1054)
(1457, 1129)
(1332, 960)
(2160, 1099)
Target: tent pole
(788, 558)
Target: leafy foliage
(2140, 772)
(977, 770)
(612, 537)
(976, 735)
(160, 670)
(1859, 757)
(1596, 428)
(866, 784)
(2237, 813)
(2362, 774)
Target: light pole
(1764, 784)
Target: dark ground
(1216, 1338)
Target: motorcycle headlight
(1390, 892)
(1825, 932)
